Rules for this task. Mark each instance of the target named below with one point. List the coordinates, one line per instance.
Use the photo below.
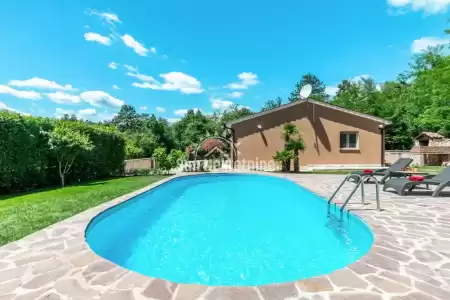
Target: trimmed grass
(335, 172)
(428, 169)
(23, 214)
(431, 169)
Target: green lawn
(23, 214)
(431, 169)
(428, 169)
(337, 172)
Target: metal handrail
(340, 186)
(361, 182)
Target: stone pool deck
(410, 259)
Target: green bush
(27, 162)
(166, 162)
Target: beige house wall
(320, 127)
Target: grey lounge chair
(400, 165)
(403, 185)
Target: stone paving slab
(410, 258)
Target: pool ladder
(359, 183)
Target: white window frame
(347, 140)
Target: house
(335, 137)
(434, 149)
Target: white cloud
(130, 42)
(160, 109)
(130, 68)
(236, 94)
(429, 6)
(153, 50)
(4, 89)
(108, 17)
(218, 103)
(331, 90)
(359, 78)
(100, 98)
(182, 112)
(95, 37)
(116, 87)
(113, 65)
(143, 108)
(142, 77)
(172, 120)
(88, 112)
(424, 43)
(3, 106)
(246, 79)
(173, 81)
(165, 56)
(59, 112)
(183, 61)
(105, 116)
(63, 98)
(41, 83)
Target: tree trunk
(287, 166)
(296, 163)
(61, 174)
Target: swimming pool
(228, 230)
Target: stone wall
(392, 156)
(142, 163)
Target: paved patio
(410, 259)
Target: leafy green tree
(283, 157)
(296, 145)
(67, 144)
(176, 158)
(160, 157)
(271, 104)
(127, 119)
(166, 162)
(318, 88)
(192, 129)
(235, 112)
(289, 130)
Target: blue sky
(163, 57)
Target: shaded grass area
(336, 172)
(431, 169)
(23, 214)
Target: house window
(349, 140)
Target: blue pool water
(228, 229)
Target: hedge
(26, 161)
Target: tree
(67, 144)
(271, 104)
(127, 119)
(283, 157)
(235, 112)
(318, 88)
(296, 145)
(166, 162)
(288, 131)
(192, 129)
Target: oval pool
(228, 229)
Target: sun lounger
(404, 185)
(400, 165)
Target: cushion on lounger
(416, 178)
(368, 171)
